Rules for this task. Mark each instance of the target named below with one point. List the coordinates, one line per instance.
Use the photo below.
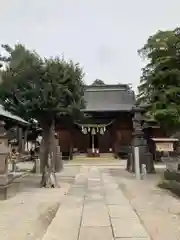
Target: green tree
(98, 82)
(41, 89)
(160, 81)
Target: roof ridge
(108, 85)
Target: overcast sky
(103, 35)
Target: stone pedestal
(7, 186)
(37, 165)
(59, 162)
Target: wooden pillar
(92, 137)
(20, 139)
(25, 139)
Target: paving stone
(116, 200)
(76, 193)
(94, 197)
(72, 201)
(69, 217)
(100, 204)
(95, 187)
(128, 228)
(119, 211)
(111, 186)
(65, 225)
(95, 215)
(96, 233)
(95, 191)
(132, 238)
(116, 194)
(58, 232)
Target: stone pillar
(145, 157)
(59, 162)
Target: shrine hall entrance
(99, 137)
(94, 141)
(99, 143)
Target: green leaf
(160, 81)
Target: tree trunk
(48, 157)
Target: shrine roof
(117, 97)
(6, 114)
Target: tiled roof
(109, 98)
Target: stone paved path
(95, 209)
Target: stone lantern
(3, 134)
(4, 151)
(139, 143)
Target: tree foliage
(41, 89)
(98, 82)
(160, 81)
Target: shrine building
(107, 125)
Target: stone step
(102, 156)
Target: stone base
(5, 179)
(94, 153)
(9, 190)
(8, 186)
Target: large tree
(42, 89)
(160, 81)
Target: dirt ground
(27, 215)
